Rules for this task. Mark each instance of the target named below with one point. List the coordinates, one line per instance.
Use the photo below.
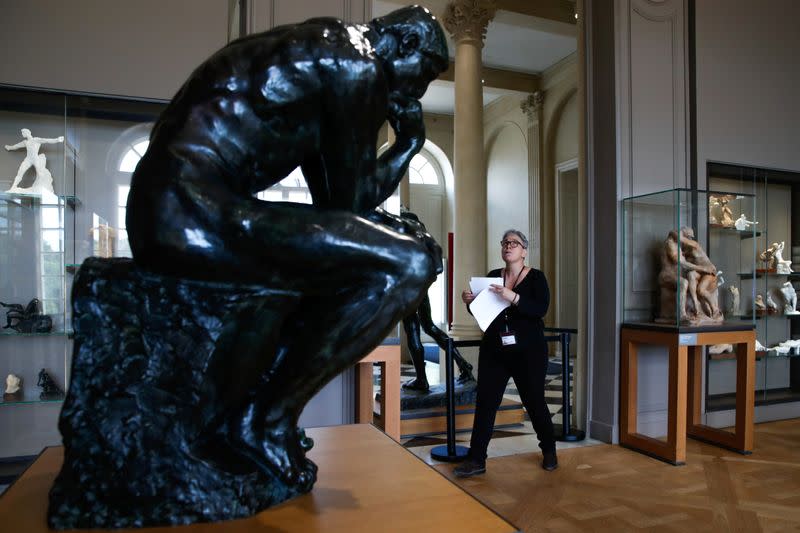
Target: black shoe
(470, 467)
(549, 461)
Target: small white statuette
(789, 299)
(782, 266)
(44, 180)
(742, 223)
(760, 347)
(760, 306)
(771, 305)
(733, 309)
(12, 384)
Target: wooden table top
(366, 482)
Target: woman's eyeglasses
(510, 244)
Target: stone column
(532, 106)
(466, 20)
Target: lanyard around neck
(516, 280)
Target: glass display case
(772, 281)
(88, 146)
(687, 284)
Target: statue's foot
(465, 376)
(419, 384)
(281, 451)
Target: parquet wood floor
(609, 488)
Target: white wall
(144, 49)
(567, 136)
(748, 77)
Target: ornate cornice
(532, 105)
(468, 19)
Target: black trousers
(495, 367)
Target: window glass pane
(51, 288)
(122, 195)
(294, 179)
(51, 217)
(414, 176)
(51, 307)
(51, 264)
(129, 162)
(141, 147)
(300, 197)
(271, 195)
(121, 217)
(51, 240)
(123, 246)
(428, 174)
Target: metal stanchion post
(450, 452)
(567, 433)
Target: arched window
(292, 188)
(421, 171)
(133, 155)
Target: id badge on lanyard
(508, 338)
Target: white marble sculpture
(771, 305)
(760, 305)
(742, 223)
(733, 308)
(716, 349)
(789, 299)
(44, 180)
(12, 384)
(782, 266)
(760, 347)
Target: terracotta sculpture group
(688, 282)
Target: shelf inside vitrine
(32, 397)
(743, 234)
(762, 274)
(12, 333)
(31, 200)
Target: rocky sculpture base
(144, 422)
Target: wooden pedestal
(686, 388)
(388, 358)
(366, 482)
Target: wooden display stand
(686, 387)
(366, 482)
(388, 357)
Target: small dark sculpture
(192, 365)
(50, 390)
(27, 319)
(422, 318)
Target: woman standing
(513, 346)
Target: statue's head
(687, 232)
(413, 48)
(26, 133)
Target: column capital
(468, 19)
(532, 105)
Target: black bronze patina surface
(27, 319)
(421, 319)
(193, 362)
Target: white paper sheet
(487, 305)
(476, 285)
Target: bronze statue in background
(688, 282)
(421, 318)
(193, 362)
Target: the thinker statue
(236, 311)
(44, 180)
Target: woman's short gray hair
(519, 234)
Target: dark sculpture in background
(27, 319)
(193, 362)
(422, 318)
(50, 389)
